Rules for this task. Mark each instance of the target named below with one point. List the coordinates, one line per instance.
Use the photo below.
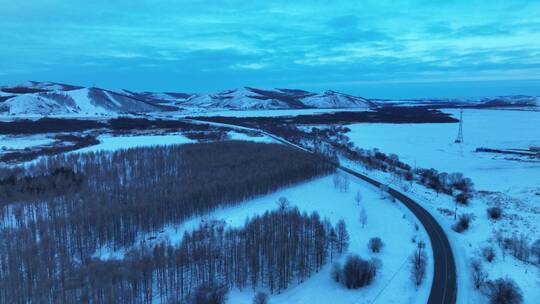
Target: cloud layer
(364, 47)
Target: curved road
(444, 286)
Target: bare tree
(478, 273)
(358, 197)
(419, 264)
(342, 236)
(363, 217)
(283, 203)
(341, 181)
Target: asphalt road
(444, 285)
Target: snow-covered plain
(112, 143)
(432, 146)
(109, 142)
(233, 135)
(388, 220)
(259, 113)
(10, 142)
(507, 182)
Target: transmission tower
(459, 138)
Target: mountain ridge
(35, 98)
(50, 98)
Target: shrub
(375, 244)
(462, 198)
(504, 291)
(478, 273)
(488, 253)
(520, 247)
(260, 298)
(209, 294)
(463, 223)
(494, 213)
(358, 272)
(419, 264)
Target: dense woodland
(120, 124)
(62, 209)
(380, 115)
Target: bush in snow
(375, 244)
(462, 198)
(504, 291)
(520, 247)
(488, 253)
(208, 294)
(356, 272)
(494, 213)
(478, 273)
(260, 298)
(419, 264)
(463, 223)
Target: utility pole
(459, 138)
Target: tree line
(333, 141)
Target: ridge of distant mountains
(35, 98)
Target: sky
(371, 48)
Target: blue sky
(369, 48)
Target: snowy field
(19, 142)
(432, 146)
(511, 184)
(263, 113)
(387, 220)
(112, 143)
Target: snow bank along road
(444, 286)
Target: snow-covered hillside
(522, 101)
(55, 99)
(48, 99)
(333, 99)
(251, 98)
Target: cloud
(343, 21)
(212, 44)
(250, 66)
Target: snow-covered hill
(248, 98)
(522, 101)
(333, 99)
(58, 100)
(55, 99)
